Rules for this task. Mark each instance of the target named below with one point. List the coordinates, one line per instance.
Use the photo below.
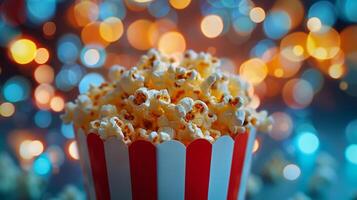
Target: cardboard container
(170, 170)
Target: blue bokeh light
(43, 118)
(112, 9)
(68, 48)
(67, 130)
(308, 142)
(277, 24)
(243, 25)
(69, 76)
(159, 8)
(90, 79)
(325, 11)
(351, 131)
(93, 56)
(261, 48)
(42, 165)
(40, 10)
(347, 9)
(7, 33)
(314, 77)
(16, 89)
(351, 153)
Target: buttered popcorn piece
(159, 100)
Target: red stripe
(98, 166)
(142, 156)
(198, 163)
(239, 152)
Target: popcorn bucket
(170, 170)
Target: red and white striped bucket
(143, 171)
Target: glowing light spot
(282, 129)
(49, 28)
(291, 172)
(43, 93)
(172, 42)
(111, 29)
(36, 148)
(91, 35)
(336, 71)
(277, 24)
(298, 50)
(67, 130)
(40, 11)
(212, 26)
(42, 165)
(308, 143)
(298, 93)
(43, 118)
(7, 109)
(93, 57)
(180, 4)
(85, 12)
(68, 48)
(325, 11)
(23, 51)
(44, 74)
(42, 56)
(138, 34)
(254, 71)
(351, 131)
(90, 79)
(343, 85)
(351, 153)
(73, 150)
(279, 73)
(57, 104)
(16, 89)
(323, 45)
(257, 14)
(24, 150)
(256, 145)
(314, 24)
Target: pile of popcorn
(160, 100)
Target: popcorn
(159, 100)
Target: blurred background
(301, 57)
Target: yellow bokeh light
(44, 74)
(323, 45)
(298, 50)
(91, 34)
(138, 34)
(212, 26)
(73, 150)
(23, 51)
(24, 150)
(253, 70)
(336, 71)
(180, 4)
(57, 104)
(7, 109)
(293, 46)
(36, 147)
(172, 42)
(111, 29)
(314, 24)
(158, 28)
(257, 14)
(42, 55)
(343, 85)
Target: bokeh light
(314, 24)
(42, 165)
(44, 74)
(179, 4)
(93, 56)
(57, 103)
(67, 130)
(23, 51)
(49, 28)
(172, 43)
(73, 150)
(257, 14)
(291, 172)
(293, 46)
(85, 12)
(325, 11)
(43, 93)
(323, 44)
(43, 118)
(16, 89)
(111, 29)
(308, 143)
(212, 26)
(94, 79)
(42, 55)
(277, 24)
(254, 71)
(351, 153)
(7, 109)
(298, 93)
(256, 145)
(137, 34)
(351, 131)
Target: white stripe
(84, 159)
(246, 168)
(221, 161)
(118, 168)
(171, 162)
